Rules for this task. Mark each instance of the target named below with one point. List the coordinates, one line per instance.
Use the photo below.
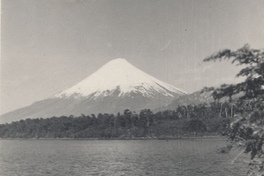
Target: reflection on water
(98, 157)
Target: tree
(128, 118)
(146, 117)
(247, 128)
(196, 125)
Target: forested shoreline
(184, 121)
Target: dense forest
(184, 121)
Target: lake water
(188, 157)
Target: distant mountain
(189, 99)
(114, 87)
(195, 98)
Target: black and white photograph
(132, 88)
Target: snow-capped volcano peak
(119, 74)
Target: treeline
(191, 120)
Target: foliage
(184, 121)
(247, 127)
(196, 125)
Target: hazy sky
(50, 45)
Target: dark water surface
(189, 157)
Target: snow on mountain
(116, 86)
(119, 74)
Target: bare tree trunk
(221, 109)
(187, 114)
(226, 112)
(231, 113)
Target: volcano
(114, 87)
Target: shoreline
(216, 137)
